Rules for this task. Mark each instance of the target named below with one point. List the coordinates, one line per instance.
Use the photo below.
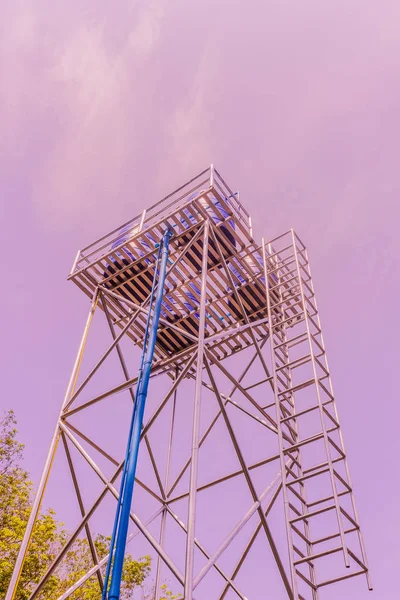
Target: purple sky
(105, 107)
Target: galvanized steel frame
(289, 306)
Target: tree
(79, 560)
(48, 537)
(166, 594)
(15, 506)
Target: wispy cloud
(70, 105)
(94, 103)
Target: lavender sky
(107, 106)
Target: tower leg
(166, 484)
(12, 588)
(196, 429)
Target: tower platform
(123, 261)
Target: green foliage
(78, 561)
(48, 537)
(15, 506)
(166, 594)
(10, 449)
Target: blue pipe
(128, 478)
(123, 479)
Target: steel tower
(243, 488)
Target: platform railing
(206, 181)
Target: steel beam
(189, 563)
(12, 588)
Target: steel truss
(280, 405)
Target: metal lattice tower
(242, 469)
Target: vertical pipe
(166, 483)
(134, 440)
(142, 220)
(12, 588)
(295, 594)
(284, 349)
(75, 261)
(89, 536)
(123, 478)
(189, 564)
(321, 412)
(352, 497)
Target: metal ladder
(315, 475)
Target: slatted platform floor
(123, 262)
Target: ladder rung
(333, 429)
(282, 381)
(296, 363)
(286, 282)
(289, 295)
(327, 392)
(319, 555)
(304, 578)
(309, 476)
(290, 471)
(298, 317)
(289, 427)
(298, 496)
(308, 287)
(329, 581)
(317, 327)
(283, 264)
(312, 514)
(321, 465)
(301, 535)
(298, 387)
(352, 521)
(343, 481)
(299, 552)
(282, 355)
(356, 559)
(293, 339)
(288, 401)
(327, 402)
(321, 365)
(279, 253)
(328, 498)
(316, 467)
(307, 410)
(253, 385)
(318, 344)
(267, 405)
(314, 438)
(309, 301)
(294, 509)
(337, 448)
(300, 414)
(333, 536)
